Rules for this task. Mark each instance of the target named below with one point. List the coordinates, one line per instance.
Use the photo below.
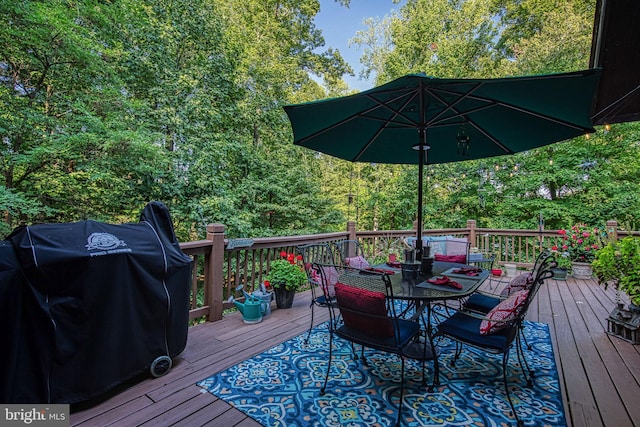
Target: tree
(61, 124)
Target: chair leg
(400, 403)
(364, 359)
(524, 337)
(436, 364)
(456, 355)
(326, 378)
(505, 357)
(526, 370)
(306, 341)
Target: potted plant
(562, 258)
(286, 275)
(581, 243)
(618, 264)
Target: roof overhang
(616, 49)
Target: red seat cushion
(461, 259)
(369, 313)
(508, 309)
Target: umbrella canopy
(421, 120)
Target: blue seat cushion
(467, 329)
(481, 303)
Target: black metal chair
(349, 250)
(499, 329)
(323, 256)
(364, 302)
(483, 302)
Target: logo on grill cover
(104, 242)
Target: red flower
(581, 242)
(283, 254)
(267, 284)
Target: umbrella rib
(386, 123)
(396, 112)
(449, 106)
(494, 102)
(411, 123)
(495, 141)
(465, 115)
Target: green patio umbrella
(417, 119)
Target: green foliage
(105, 106)
(618, 264)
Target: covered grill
(91, 306)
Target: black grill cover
(109, 300)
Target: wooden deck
(600, 374)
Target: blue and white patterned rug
(280, 387)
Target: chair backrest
(509, 314)
(451, 249)
(324, 275)
(320, 253)
(526, 280)
(540, 260)
(545, 262)
(348, 249)
(365, 302)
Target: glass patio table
(421, 295)
(419, 290)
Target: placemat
(466, 282)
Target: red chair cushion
(462, 259)
(508, 309)
(370, 310)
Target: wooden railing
(220, 266)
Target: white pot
(511, 270)
(581, 270)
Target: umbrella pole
(422, 153)
(419, 237)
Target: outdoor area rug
(281, 387)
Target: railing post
(351, 229)
(471, 225)
(612, 230)
(214, 276)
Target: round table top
(419, 289)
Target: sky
(339, 25)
